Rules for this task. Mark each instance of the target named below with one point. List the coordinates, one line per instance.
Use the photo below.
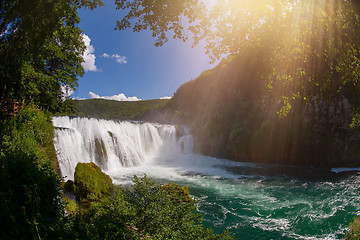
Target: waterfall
(113, 144)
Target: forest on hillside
(110, 109)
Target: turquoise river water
(253, 201)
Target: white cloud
(94, 95)
(118, 58)
(166, 97)
(78, 98)
(119, 97)
(66, 91)
(89, 56)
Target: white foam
(117, 147)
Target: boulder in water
(91, 184)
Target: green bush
(354, 230)
(163, 218)
(30, 132)
(30, 187)
(179, 193)
(70, 206)
(29, 198)
(91, 184)
(145, 210)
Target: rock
(91, 184)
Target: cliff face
(231, 116)
(332, 135)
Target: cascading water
(253, 201)
(113, 144)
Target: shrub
(30, 132)
(91, 184)
(70, 206)
(30, 187)
(177, 192)
(354, 230)
(165, 212)
(145, 210)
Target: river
(253, 201)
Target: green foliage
(159, 17)
(286, 107)
(304, 50)
(355, 121)
(40, 50)
(144, 210)
(354, 230)
(91, 184)
(160, 216)
(180, 193)
(30, 132)
(70, 206)
(29, 197)
(126, 110)
(30, 187)
(105, 220)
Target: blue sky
(124, 63)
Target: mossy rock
(91, 184)
(68, 186)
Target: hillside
(232, 115)
(123, 110)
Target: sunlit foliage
(354, 230)
(311, 48)
(159, 17)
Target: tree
(159, 16)
(40, 49)
(312, 46)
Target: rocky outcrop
(332, 135)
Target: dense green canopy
(41, 49)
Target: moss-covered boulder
(91, 184)
(68, 186)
